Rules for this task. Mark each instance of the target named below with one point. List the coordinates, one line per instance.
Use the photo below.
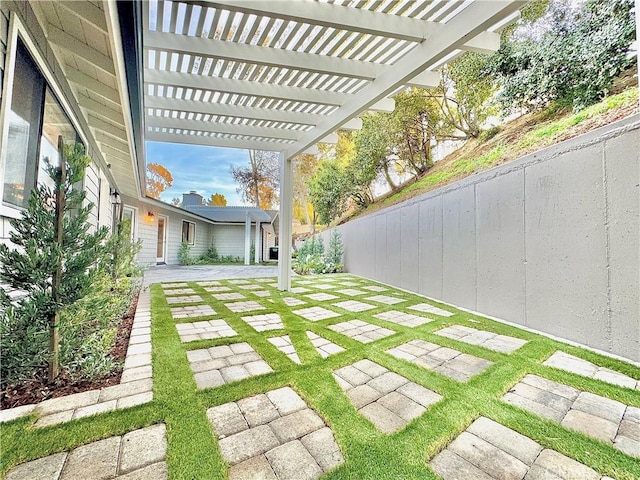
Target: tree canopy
(158, 179)
(258, 182)
(217, 200)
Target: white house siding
(91, 187)
(229, 239)
(105, 208)
(268, 240)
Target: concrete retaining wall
(549, 241)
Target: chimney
(191, 198)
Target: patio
(346, 378)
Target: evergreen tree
(54, 256)
(336, 249)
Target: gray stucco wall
(549, 241)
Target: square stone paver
(261, 293)
(426, 308)
(354, 306)
(596, 416)
(323, 346)
(274, 436)
(228, 296)
(174, 285)
(315, 314)
(321, 296)
(292, 302)
(299, 290)
(240, 307)
(361, 331)
(490, 340)
(251, 286)
(216, 366)
(221, 288)
(488, 450)
(351, 292)
(139, 454)
(184, 299)
(209, 283)
(239, 281)
(180, 291)
(402, 318)
(284, 344)
(446, 361)
(192, 311)
(324, 286)
(350, 284)
(386, 399)
(573, 364)
(204, 330)
(268, 321)
(375, 288)
(386, 299)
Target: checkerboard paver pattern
(217, 366)
(386, 299)
(191, 311)
(386, 399)
(315, 314)
(482, 338)
(402, 318)
(139, 454)
(599, 417)
(374, 288)
(354, 306)
(184, 299)
(285, 345)
(360, 331)
(174, 285)
(488, 450)
(179, 291)
(324, 286)
(349, 284)
(351, 292)
(241, 307)
(264, 322)
(264, 280)
(426, 308)
(274, 435)
(573, 364)
(239, 281)
(219, 289)
(446, 361)
(323, 346)
(320, 297)
(292, 301)
(190, 332)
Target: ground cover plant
(193, 450)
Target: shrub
(184, 254)
(211, 255)
(312, 260)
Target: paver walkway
(137, 455)
(490, 451)
(274, 435)
(599, 417)
(331, 375)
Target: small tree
(55, 255)
(336, 249)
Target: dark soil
(38, 389)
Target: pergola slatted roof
(282, 75)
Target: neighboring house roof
(229, 214)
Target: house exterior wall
(549, 241)
(49, 63)
(229, 239)
(147, 232)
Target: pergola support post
(247, 239)
(257, 258)
(286, 217)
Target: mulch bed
(39, 390)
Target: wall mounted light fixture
(151, 217)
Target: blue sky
(195, 167)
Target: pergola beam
(224, 128)
(244, 87)
(341, 17)
(214, 141)
(255, 55)
(469, 23)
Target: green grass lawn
(369, 454)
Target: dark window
(188, 232)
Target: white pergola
(283, 75)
